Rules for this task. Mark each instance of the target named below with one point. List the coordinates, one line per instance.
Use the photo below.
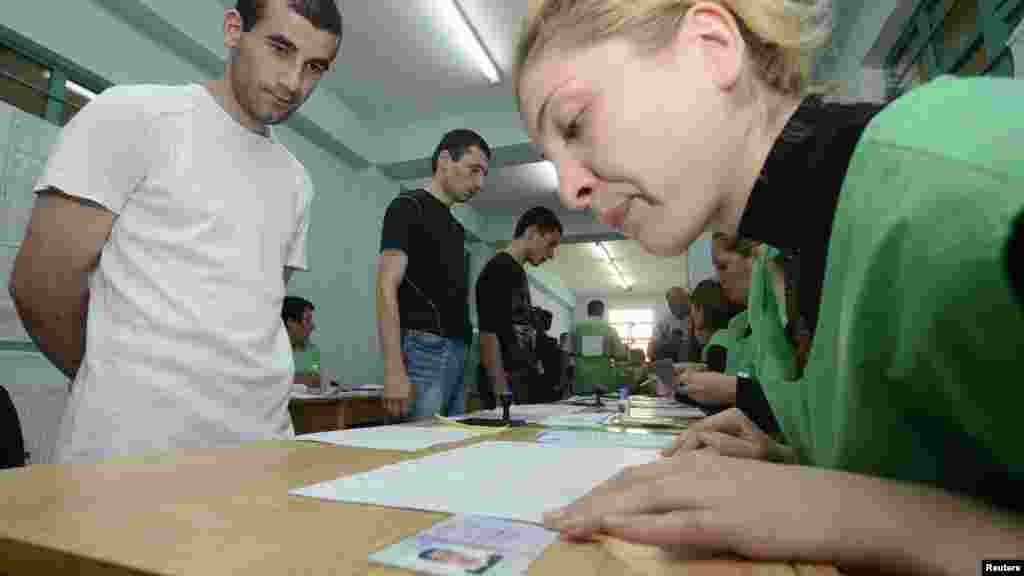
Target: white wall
(651, 301)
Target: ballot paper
(530, 412)
(511, 480)
(406, 438)
(581, 420)
(469, 545)
(677, 411)
(596, 438)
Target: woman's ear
(713, 30)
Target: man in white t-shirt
(187, 218)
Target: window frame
(922, 41)
(61, 70)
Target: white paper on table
(538, 412)
(513, 480)
(679, 411)
(596, 438)
(592, 345)
(583, 420)
(406, 438)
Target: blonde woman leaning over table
(665, 117)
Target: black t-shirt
(434, 295)
(503, 308)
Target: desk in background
(313, 413)
(228, 511)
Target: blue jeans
(436, 367)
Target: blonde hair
(783, 35)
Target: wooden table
(337, 412)
(228, 511)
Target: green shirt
(915, 369)
(596, 370)
(721, 338)
(739, 358)
(307, 359)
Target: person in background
(297, 314)
(735, 384)
(549, 382)
(709, 310)
(708, 386)
(597, 344)
(672, 334)
(569, 362)
(668, 117)
(422, 288)
(187, 216)
(508, 327)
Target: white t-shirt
(185, 346)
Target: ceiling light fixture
(80, 90)
(601, 249)
(471, 40)
(76, 88)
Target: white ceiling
(584, 271)
(401, 65)
(401, 61)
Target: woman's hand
(708, 388)
(731, 433)
(768, 511)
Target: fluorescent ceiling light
(470, 40)
(602, 252)
(76, 88)
(81, 91)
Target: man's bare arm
(490, 358)
(62, 245)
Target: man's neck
(517, 250)
(222, 93)
(437, 191)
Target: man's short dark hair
(543, 218)
(595, 308)
(456, 143)
(294, 308)
(322, 14)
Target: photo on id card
(441, 558)
(469, 545)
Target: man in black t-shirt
(508, 333)
(422, 291)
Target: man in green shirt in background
(596, 343)
(297, 314)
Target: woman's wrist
(919, 529)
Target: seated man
(297, 314)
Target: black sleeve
(401, 215)
(750, 399)
(717, 358)
(495, 298)
(1015, 258)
